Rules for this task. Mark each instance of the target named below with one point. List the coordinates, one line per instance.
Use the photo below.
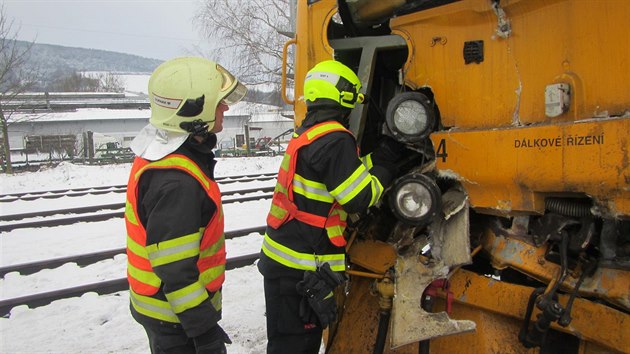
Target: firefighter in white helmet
(173, 215)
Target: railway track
(122, 188)
(100, 213)
(91, 258)
(93, 213)
(101, 288)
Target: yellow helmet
(332, 84)
(189, 89)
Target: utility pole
(247, 138)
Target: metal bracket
(450, 247)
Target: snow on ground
(102, 324)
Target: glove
(385, 157)
(307, 315)
(317, 290)
(212, 342)
(388, 151)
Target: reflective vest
(283, 209)
(208, 244)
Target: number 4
(441, 150)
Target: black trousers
(169, 342)
(286, 332)
(174, 341)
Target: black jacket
(331, 160)
(171, 203)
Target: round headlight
(410, 117)
(415, 199)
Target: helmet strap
(204, 146)
(196, 127)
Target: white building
(120, 126)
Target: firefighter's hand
(319, 297)
(331, 277)
(317, 289)
(212, 341)
(388, 152)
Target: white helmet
(184, 95)
(189, 89)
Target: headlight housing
(415, 199)
(410, 116)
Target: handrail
(283, 88)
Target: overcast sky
(159, 29)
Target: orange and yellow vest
(283, 209)
(141, 258)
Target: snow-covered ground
(102, 324)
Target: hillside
(55, 61)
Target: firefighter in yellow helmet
(173, 215)
(322, 178)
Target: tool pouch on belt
(317, 288)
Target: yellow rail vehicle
(508, 229)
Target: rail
(108, 215)
(121, 188)
(91, 258)
(114, 285)
(101, 288)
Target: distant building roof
(82, 114)
(256, 112)
(67, 101)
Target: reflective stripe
(138, 250)
(129, 214)
(335, 231)
(174, 250)
(285, 162)
(311, 189)
(170, 161)
(302, 261)
(187, 297)
(212, 273)
(210, 251)
(377, 190)
(151, 307)
(352, 186)
(277, 211)
(367, 161)
(321, 129)
(144, 276)
(161, 310)
(324, 76)
(216, 300)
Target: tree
(111, 83)
(94, 82)
(76, 82)
(15, 78)
(252, 33)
